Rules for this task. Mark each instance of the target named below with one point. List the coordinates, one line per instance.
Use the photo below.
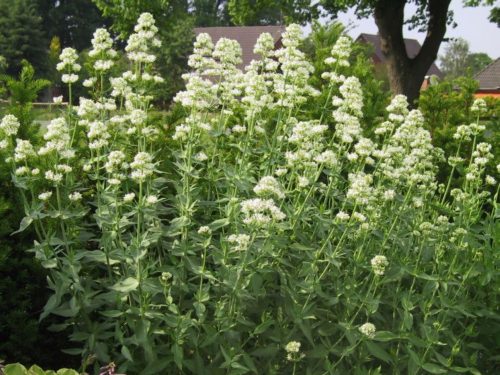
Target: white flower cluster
(398, 110)
(9, 125)
(291, 86)
(480, 157)
(68, 58)
(260, 212)
(408, 157)
(240, 241)
(102, 48)
(142, 166)
(57, 138)
(379, 263)
(479, 106)
(269, 186)
(360, 188)
(293, 351)
(368, 329)
(307, 138)
(140, 43)
(349, 110)
(227, 55)
(258, 80)
(24, 149)
(340, 52)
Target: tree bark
(407, 74)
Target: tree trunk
(407, 74)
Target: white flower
(260, 212)
(269, 186)
(75, 197)
(69, 78)
(53, 176)
(24, 149)
(490, 180)
(151, 199)
(21, 171)
(200, 156)
(4, 144)
(379, 263)
(68, 59)
(142, 166)
(35, 172)
(129, 197)
(57, 99)
(368, 329)
(45, 196)
(479, 106)
(293, 347)
(89, 82)
(240, 241)
(342, 216)
(9, 125)
(204, 231)
(389, 195)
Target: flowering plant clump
(205, 246)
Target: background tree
(455, 58)
(458, 61)
(478, 61)
(22, 36)
(210, 13)
(73, 21)
(432, 16)
(272, 12)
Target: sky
(473, 26)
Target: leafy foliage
(259, 234)
(22, 93)
(21, 35)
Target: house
(246, 36)
(489, 80)
(412, 49)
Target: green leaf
(36, 370)
(377, 351)
(25, 223)
(214, 225)
(66, 371)
(434, 369)
(126, 353)
(385, 336)
(15, 369)
(125, 286)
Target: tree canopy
(22, 36)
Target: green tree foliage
(210, 13)
(73, 21)
(455, 58)
(22, 93)
(21, 35)
(478, 61)
(495, 16)
(458, 61)
(272, 12)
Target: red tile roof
(245, 35)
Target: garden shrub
(256, 235)
(23, 289)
